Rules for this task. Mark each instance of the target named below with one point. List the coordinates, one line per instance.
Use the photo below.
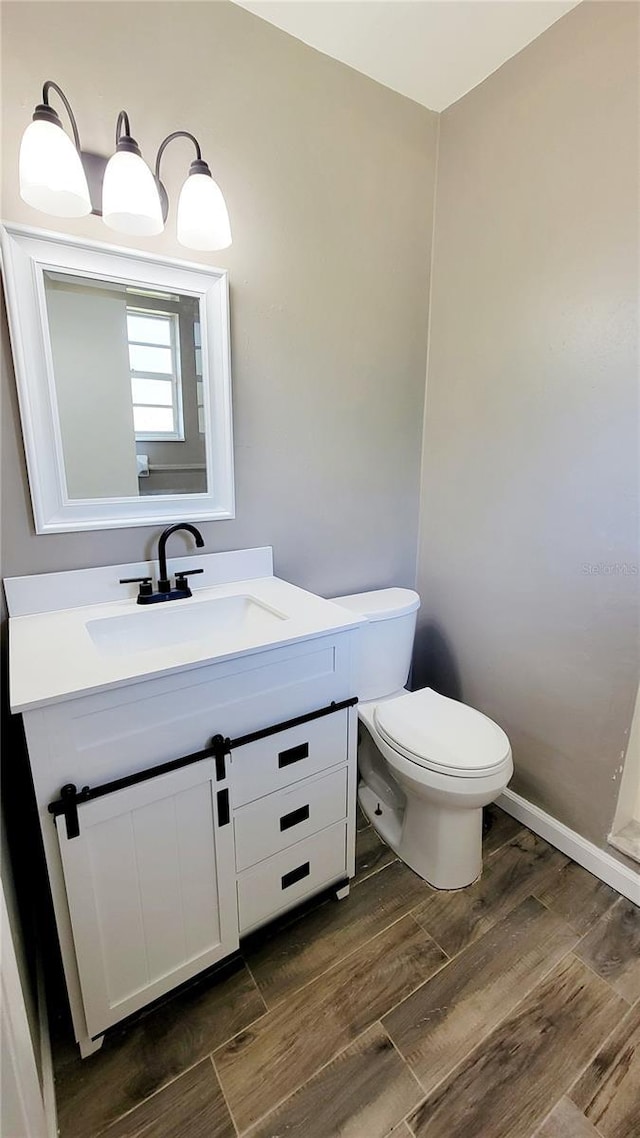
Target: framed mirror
(122, 363)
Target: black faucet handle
(181, 578)
(145, 583)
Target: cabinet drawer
(288, 876)
(286, 817)
(279, 760)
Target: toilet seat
(442, 734)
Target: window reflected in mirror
(127, 369)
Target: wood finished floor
(508, 1010)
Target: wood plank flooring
(296, 953)
(512, 873)
(137, 1060)
(361, 1092)
(281, 1051)
(608, 1092)
(432, 1027)
(576, 896)
(566, 1121)
(504, 1086)
(401, 1131)
(612, 949)
(507, 1010)
(371, 853)
(191, 1106)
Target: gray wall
(529, 540)
(328, 177)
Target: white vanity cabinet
(194, 766)
(166, 874)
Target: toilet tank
(385, 642)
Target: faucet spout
(164, 585)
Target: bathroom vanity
(194, 766)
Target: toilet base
(441, 844)
(386, 821)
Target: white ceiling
(434, 51)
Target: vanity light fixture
(59, 178)
(203, 220)
(130, 197)
(52, 177)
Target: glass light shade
(203, 221)
(130, 198)
(51, 175)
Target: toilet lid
(441, 733)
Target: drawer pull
(294, 818)
(295, 875)
(293, 755)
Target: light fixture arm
(170, 137)
(198, 166)
(122, 121)
(124, 141)
(52, 116)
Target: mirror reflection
(127, 366)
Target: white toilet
(427, 764)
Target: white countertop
(54, 655)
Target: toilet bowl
(428, 764)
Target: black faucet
(146, 595)
(164, 584)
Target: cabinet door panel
(150, 889)
(110, 852)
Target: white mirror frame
(26, 254)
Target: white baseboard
(602, 864)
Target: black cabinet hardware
(220, 747)
(224, 813)
(294, 818)
(264, 733)
(71, 797)
(293, 755)
(295, 875)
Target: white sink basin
(181, 622)
(74, 633)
